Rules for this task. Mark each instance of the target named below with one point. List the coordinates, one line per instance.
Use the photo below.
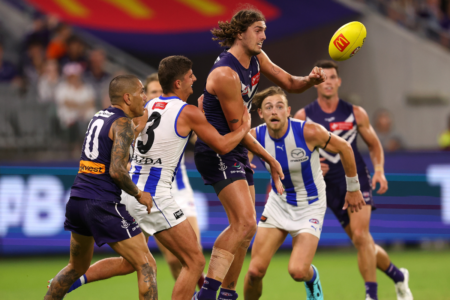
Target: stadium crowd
(430, 18)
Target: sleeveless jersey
(93, 180)
(249, 85)
(341, 122)
(303, 180)
(159, 147)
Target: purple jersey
(211, 105)
(341, 122)
(93, 180)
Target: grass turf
(26, 278)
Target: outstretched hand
(317, 76)
(277, 175)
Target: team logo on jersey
(263, 218)
(125, 224)
(90, 167)
(299, 155)
(314, 221)
(366, 196)
(330, 119)
(341, 126)
(245, 91)
(222, 166)
(226, 294)
(178, 214)
(341, 42)
(159, 105)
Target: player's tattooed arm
(234, 121)
(123, 135)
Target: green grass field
(26, 278)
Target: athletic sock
(311, 282)
(226, 294)
(371, 290)
(209, 289)
(394, 273)
(80, 281)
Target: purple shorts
(336, 191)
(215, 168)
(107, 222)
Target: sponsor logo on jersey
(299, 155)
(355, 51)
(341, 42)
(90, 167)
(255, 79)
(330, 119)
(366, 196)
(222, 166)
(281, 147)
(237, 165)
(314, 221)
(341, 126)
(146, 160)
(178, 214)
(125, 224)
(263, 218)
(104, 114)
(226, 294)
(159, 105)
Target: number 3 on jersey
(152, 123)
(92, 135)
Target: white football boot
(402, 288)
(368, 297)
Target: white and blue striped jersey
(159, 147)
(303, 179)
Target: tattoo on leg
(75, 248)
(150, 277)
(61, 284)
(231, 285)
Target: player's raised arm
(192, 118)
(317, 136)
(375, 148)
(229, 94)
(122, 135)
(288, 82)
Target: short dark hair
(227, 32)
(150, 78)
(120, 85)
(271, 91)
(327, 64)
(172, 68)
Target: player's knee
(299, 273)
(256, 273)
(360, 237)
(245, 228)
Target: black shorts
(107, 222)
(215, 168)
(336, 191)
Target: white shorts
(165, 213)
(294, 219)
(185, 199)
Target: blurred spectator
(58, 45)
(444, 138)
(39, 32)
(152, 87)
(75, 104)
(76, 52)
(97, 76)
(33, 61)
(8, 72)
(48, 82)
(383, 126)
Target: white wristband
(352, 183)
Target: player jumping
(94, 212)
(347, 120)
(234, 80)
(300, 210)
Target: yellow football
(347, 41)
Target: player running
(181, 192)
(347, 120)
(300, 210)
(94, 211)
(234, 80)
